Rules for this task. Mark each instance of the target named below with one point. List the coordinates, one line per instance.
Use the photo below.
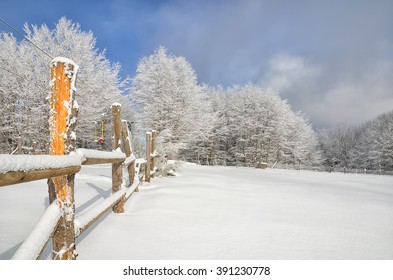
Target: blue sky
(333, 60)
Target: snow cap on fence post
(117, 173)
(62, 122)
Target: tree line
(239, 125)
(368, 147)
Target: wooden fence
(59, 221)
(20, 149)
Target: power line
(23, 36)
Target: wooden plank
(17, 177)
(148, 156)
(128, 150)
(34, 147)
(125, 138)
(19, 144)
(90, 156)
(116, 167)
(92, 161)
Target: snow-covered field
(221, 213)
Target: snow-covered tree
(374, 147)
(337, 144)
(300, 143)
(24, 82)
(369, 146)
(21, 106)
(255, 125)
(166, 93)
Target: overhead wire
(23, 36)
(40, 49)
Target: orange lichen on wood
(62, 123)
(59, 105)
(59, 109)
(60, 183)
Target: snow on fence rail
(35, 243)
(58, 221)
(16, 169)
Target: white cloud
(331, 96)
(356, 99)
(286, 72)
(331, 62)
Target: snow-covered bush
(169, 168)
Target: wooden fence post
(19, 145)
(148, 156)
(117, 167)
(153, 150)
(128, 150)
(62, 122)
(34, 147)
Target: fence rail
(34, 245)
(59, 221)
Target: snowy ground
(222, 213)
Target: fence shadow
(6, 255)
(101, 194)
